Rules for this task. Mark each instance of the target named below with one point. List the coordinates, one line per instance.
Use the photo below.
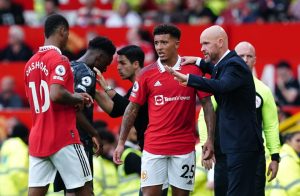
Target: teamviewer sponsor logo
(159, 100)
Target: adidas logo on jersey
(157, 83)
(190, 182)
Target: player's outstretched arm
(104, 101)
(188, 60)
(127, 122)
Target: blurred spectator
(100, 124)
(8, 97)
(105, 171)
(89, 36)
(169, 11)
(124, 17)
(216, 6)
(234, 13)
(198, 13)
(135, 36)
(11, 13)
(135, 5)
(16, 49)
(287, 181)
(89, 14)
(51, 7)
(14, 161)
(274, 10)
(287, 90)
(294, 10)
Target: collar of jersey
(175, 67)
(49, 47)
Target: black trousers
(240, 174)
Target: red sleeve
(60, 71)
(139, 90)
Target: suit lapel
(219, 66)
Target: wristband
(108, 88)
(275, 157)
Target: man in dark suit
(233, 86)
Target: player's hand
(87, 99)
(273, 168)
(188, 60)
(117, 154)
(207, 150)
(181, 78)
(100, 79)
(97, 145)
(208, 163)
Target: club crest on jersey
(86, 81)
(258, 101)
(135, 87)
(60, 70)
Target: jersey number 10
(44, 93)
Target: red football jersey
(54, 125)
(172, 107)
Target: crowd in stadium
(132, 13)
(137, 19)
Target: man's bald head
(214, 41)
(247, 52)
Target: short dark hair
(167, 29)
(102, 43)
(53, 22)
(284, 64)
(20, 130)
(133, 53)
(106, 135)
(55, 2)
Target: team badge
(86, 81)
(144, 175)
(60, 70)
(135, 87)
(258, 101)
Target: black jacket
(233, 86)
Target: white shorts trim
(176, 170)
(71, 162)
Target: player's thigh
(41, 171)
(153, 169)
(181, 171)
(73, 166)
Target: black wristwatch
(275, 157)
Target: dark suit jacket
(233, 86)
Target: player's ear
(177, 42)
(61, 31)
(136, 64)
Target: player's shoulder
(261, 87)
(149, 69)
(80, 68)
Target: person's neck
(85, 60)
(132, 78)
(170, 62)
(220, 55)
(52, 42)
